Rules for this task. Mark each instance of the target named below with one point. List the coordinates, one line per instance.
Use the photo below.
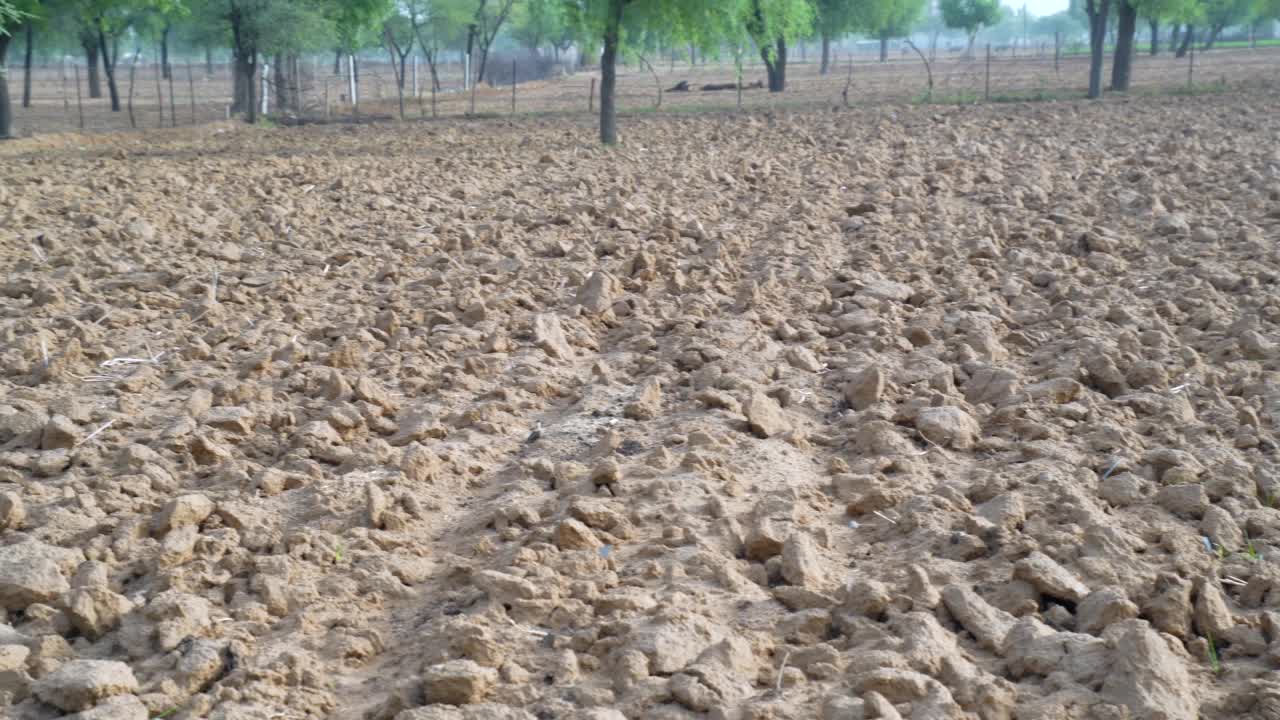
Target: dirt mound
(919, 413)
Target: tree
(358, 23)
(771, 24)
(536, 22)
(703, 24)
(1127, 12)
(485, 25)
(887, 19)
(1263, 11)
(12, 15)
(109, 19)
(834, 19)
(1126, 29)
(1062, 24)
(1219, 14)
(970, 16)
(397, 33)
(437, 24)
(1097, 11)
(700, 23)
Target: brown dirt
(908, 412)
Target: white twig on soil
(1232, 580)
(930, 442)
(39, 253)
(886, 517)
(153, 360)
(44, 353)
(777, 687)
(101, 378)
(95, 433)
(1111, 469)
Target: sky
(1039, 8)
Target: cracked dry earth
(911, 413)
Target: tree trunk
(237, 88)
(247, 69)
(26, 65)
(1155, 37)
(109, 67)
(244, 60)
(775, 65)
(973, 36)
(1098, 11)
(89, 42)
(1121, 67)
(6, 112)
(484, 60)
(1188, 35)
(280, 74)
(1213, 36)
(609, 74)
(826, 55)
(337, 63)
(1173, 36)
(884, 48)
(295, 75)
(165, 70)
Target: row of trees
(1189, 18)
(281, 31)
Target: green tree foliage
(486, 23)
(357, 23)
(13, 13)
(772, 25)
(706, 24)
(10, 17)
(970, 15)
(833, 19)
(1061, 24)
(437, 24)
(1220, 14)
(538, 23)
(888, 19)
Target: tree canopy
(970, 15)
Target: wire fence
(196, 94)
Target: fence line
(993, 74)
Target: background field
(902, 79)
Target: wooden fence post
(1191, 60)
(173, 103)
(591, 98)
(513, 87)
(986, 91)
(133, 70)
(191, 85)
(79, 104)
(159, 97)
